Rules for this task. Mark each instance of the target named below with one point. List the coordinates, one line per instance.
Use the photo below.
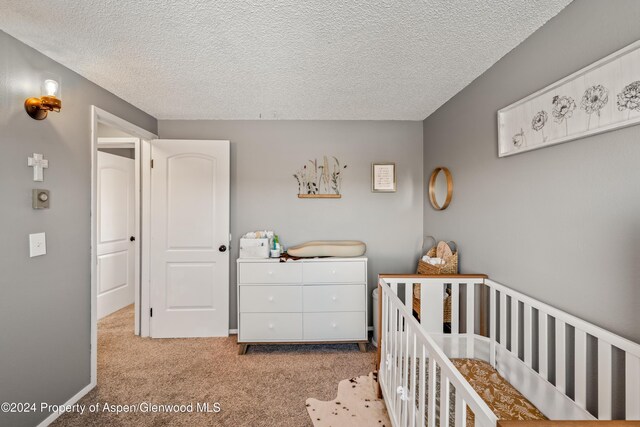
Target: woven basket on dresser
(450, 266)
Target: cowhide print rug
(355, 406)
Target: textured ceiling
(282, 59)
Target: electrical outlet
(37, 244)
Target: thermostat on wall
(40, 198)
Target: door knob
(132, 239)
(222, 248)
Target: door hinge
(151, 163)
(151, 312)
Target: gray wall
(109, 132)
(129, 153)
(561, 224)
(44, 302)
(264, 156)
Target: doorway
(120, 147)
(118, 223)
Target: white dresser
(305, 301)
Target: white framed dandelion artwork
(599, 98)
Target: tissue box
(254, 248)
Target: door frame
(124, 142)
(100, 116)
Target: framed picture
(598, 98)
(320, 179)
(383, 177)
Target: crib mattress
(504, 400)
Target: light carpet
(266, 387)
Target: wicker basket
(450, 266)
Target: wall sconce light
(38, 108)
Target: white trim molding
(100, 116)
(74, 399)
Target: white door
(189, 257)
(116, 222)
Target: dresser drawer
(322, 298)
(269, 272)
(270, 327)
(334, 326)
(270, 299)
(335, 272)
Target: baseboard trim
(235, 331)
(79, 395)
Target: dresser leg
(362, 346)
(242, 349)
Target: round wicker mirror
(440, 188)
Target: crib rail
(564, 352)
(508, 307)
(412, 367)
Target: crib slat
(402, 357)
(471, 318)
(384, 348)
(422, 396)
(461, 412)
(431, 307)
(413, 376)
(444, 400)
(392, 347)
(455, 308)
(432, 392)
(395, 353)
(394, 287)
(503, 319)
(492, 328)
(471, 304)
(561, 377)
(581, 368)
(408, 295)
(405, 373)
(514, 326)
(388, 350)
(387, 343)
(543, 356)
(632, 387)
(604, 380)
(527, 335)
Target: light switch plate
(37, 244)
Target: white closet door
(189, 238)
(116, 225)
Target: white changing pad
(337, 248)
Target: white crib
(531, 344)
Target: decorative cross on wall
(39, 164)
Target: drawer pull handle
(270, 299)
(270, 325)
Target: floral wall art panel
(320, 178)
(601, 97)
